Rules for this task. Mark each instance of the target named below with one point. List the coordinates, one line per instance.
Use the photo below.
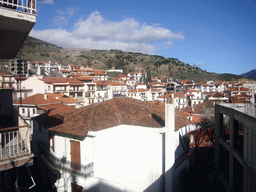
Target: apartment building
(235, 149)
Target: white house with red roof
(28, 107)
(130, 83)
(122, 77)
(218, 97)
(118, 145)
(180, 99)
(35, 84)
(99, 76)
(116, 89)
(7, 81)
(139, 77)
(144, 94)
(194, 97)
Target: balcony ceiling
(14, 29)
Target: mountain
(37, 50)
(251, 74)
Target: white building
(118, 145)
(45, 67)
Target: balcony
(17, 18)
(14, 147)
(75, 90)
(63, 164)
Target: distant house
(194, 97)
(179, 99)
(6, 81)
(139, 77)
(99, 76)
(42, 103)
(118, 145)
(30, 107)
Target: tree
(157, 64)
(109, 64)
(148, 79)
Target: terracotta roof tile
(51, 106)
(37, 99)
(115, 112)
(84, 78)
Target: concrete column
(231, 143)
(217, 135)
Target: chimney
(45, 96)
(170, 143)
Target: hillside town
(74, 128)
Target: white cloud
(95, 32)
(46, 2)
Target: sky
(216, 35)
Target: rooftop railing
(14, 142)
(28, 6)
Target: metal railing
(63, 164)
(14, 142)
(28, 6)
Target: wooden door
(75, 155)
(76, 188)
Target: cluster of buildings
(90, 86)
(86, 132)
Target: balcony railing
(63, 164)
(28, 6)
(14, 142)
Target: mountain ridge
(37, 50)
(251, 74)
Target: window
(23, 110)
(34, 111)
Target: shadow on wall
(101, 186)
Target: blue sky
(218, 36)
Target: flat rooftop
(246, 108)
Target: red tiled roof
(116, 83)
(55, 95)
(98, 73)
(112, 113)
(137, 90)
(192, 90)
(167, 95)
(75, 75)
(54, 117)
(37, 99)
(84, 78)
(65, 71)
(179, 94)
(50, 80)
(42, 62)
(51, 106)
(237, 89)
(122, 75)
(68, 100)
(155, 90)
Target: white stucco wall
(129, 157)
(35, 84)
